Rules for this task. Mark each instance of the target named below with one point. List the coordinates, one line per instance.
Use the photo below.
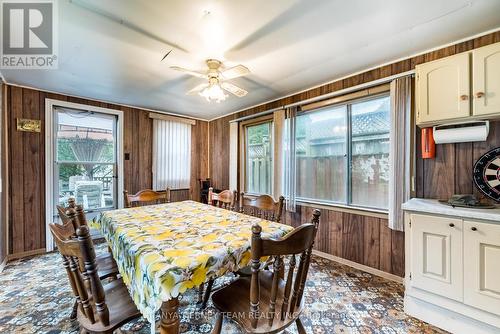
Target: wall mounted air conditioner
(461, 132)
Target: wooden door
(486, 80)
(482, 266)
(436, 255)
(442, 89)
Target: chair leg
(300, 327)
(208, 291)
(201, 289)
(218, 324)
(73, 312)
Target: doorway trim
(49, 157)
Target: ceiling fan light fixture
(214, 92)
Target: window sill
(370, 212)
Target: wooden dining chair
(225, 199)
(101, 309)
(61, 210)
(262, 206)
(146, 197)
(67, 231)
(270, 301)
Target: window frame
(243, 149)
(347, 103)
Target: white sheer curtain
(290, 171)
(233, 155)
(399, 156)
(171, 154)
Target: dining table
(163, 250)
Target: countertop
(435, 207)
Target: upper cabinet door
(482, 266)
(436, 255)
(486, 79)
(442, 89)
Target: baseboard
(448, 320)
(20, 255)
(359, 266)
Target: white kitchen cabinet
(452, 266)
(443, 88)
(482, 266)
(437, 252)
(486, 80)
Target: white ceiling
(111, 50)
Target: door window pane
(259, 164)
(370, 153)
(85, 158)
(85, 136)
(321, 154)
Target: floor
(35, 297)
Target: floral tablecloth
(163, 250)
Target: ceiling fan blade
(235, 72)
(239, 92)
(197, 89)
(193, 73)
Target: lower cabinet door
(436, 255)
(482, 266)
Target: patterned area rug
(35, 297)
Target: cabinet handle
(452, 225)
(479, 95)
(464, 97)
(473, 228)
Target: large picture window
(259, 158)
(342, 153)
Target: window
(342, 153)
(258, 161)
(321, 152)
(85, 158)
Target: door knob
(473, 228)
(464, 97)
(479, 95)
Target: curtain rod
(330, 95)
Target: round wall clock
(487, 174)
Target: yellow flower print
(209, 237)
(245, 259)
(225, 223)
(177, 252)
(202, 259)
(168, 282)
(199, 275)
(182, 262)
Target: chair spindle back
(146, 197)
(225, 199)
(262, 206)
(61, 210)
(79, 260)
(299, 241)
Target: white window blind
(171, 154)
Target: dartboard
(487, 174)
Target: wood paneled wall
(27, 161)
(451, 171)
(359, 238)
(353, 235)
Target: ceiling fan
(213, 90)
